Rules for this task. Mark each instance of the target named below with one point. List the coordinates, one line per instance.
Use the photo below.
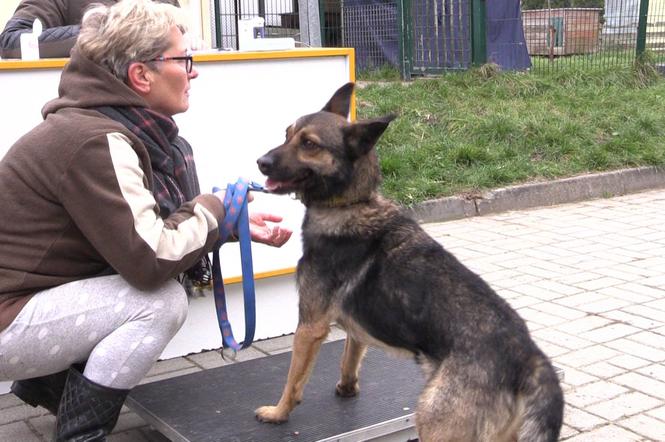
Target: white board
(240, 106)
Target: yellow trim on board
(44, 63)
(352, 77)
(267, 55)
(262, 275)
(50, 63)
(204, 57)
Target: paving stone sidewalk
(588, 277)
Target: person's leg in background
(119, 330)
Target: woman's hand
(264, 233)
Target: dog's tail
(543, 403)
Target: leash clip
(256, 187)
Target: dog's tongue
(271, 185)
(277, 186)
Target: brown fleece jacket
(77, 199)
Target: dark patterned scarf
(173, 170)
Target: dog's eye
(309, 145)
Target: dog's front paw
(347, 390)
(271, 414)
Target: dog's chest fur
(339, 244)
(342, 248)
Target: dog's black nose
(265, 164)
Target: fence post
(217, 24)
(642, 27)
(310, 22)
(478, 35)
(404, 32)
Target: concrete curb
(567, 190)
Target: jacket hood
(85, 84)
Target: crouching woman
(100, 214)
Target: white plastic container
(30, 42)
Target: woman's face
(169, 92)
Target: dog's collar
(336, 202)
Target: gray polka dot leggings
(118, 329)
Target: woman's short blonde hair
(130, 30)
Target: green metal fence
(433, 36)
(420, 37)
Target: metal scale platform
(218, 404)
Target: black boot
(43, 391)
(87, 411)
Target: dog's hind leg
(441, 418)
(354, 352)
(461, 403)
(306, 345)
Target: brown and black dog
(374, 271)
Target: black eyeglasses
(188, 59)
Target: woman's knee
(165, 307)
(172, 304)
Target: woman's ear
(139, 78)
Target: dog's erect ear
(361, 136)
(340, 103)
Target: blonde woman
(97, 221)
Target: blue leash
(235, 205)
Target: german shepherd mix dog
(373, 270)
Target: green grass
(609, 58)
(467, 132)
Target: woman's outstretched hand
(262, 232)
